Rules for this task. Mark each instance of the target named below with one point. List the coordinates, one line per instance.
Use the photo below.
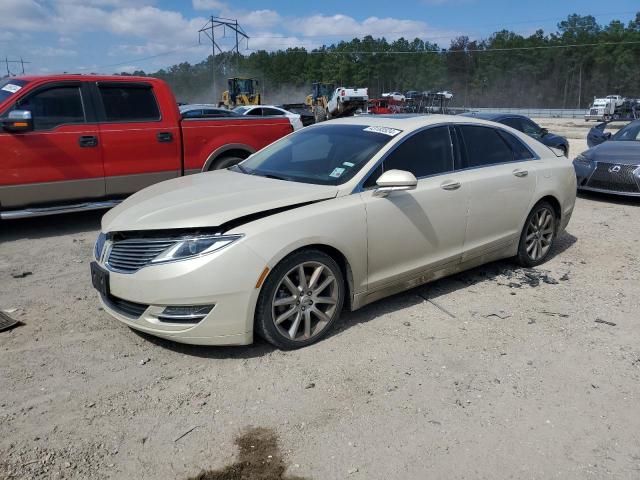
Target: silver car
(331, 217)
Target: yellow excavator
(318, 100)
(241, 91)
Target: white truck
(613, 107)
(347, 101)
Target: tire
(319, 115)
(299, 323)
(327, 115)
(537, 242)
(224, 162)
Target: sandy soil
(493, 373)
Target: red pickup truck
(81, 142)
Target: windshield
(10, 86)
(241, 110)
(629, 133)
(324, 155)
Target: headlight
(195, 247)
(97, 251)
(582, 161)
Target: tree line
(562, 69)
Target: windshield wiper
(275, 177)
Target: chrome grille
(620, 181)
(131, 255)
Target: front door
(410, 233)
(140, 146)
(60, 160)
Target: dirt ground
(494, 373)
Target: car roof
(407, 121)
(195, 106)
(493, 116)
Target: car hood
(208, 200)
(624, 153)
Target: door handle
(450, 185)
(88, 141)
(520, 173)
(164, 137)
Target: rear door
(501, 174)
(140, 146)
(60, 160)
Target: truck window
(129, 103)
(53, 107)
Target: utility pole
(579, 86)
(209, 29)
(8, 62)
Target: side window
(192, 114)
(271, 111)
(53, 107)
(520, 151)
(530, 128)
(484, 146)
(215, 113)
(426, 153)
(512, 122)
(129, 103)
(255, 112)
(375, 175)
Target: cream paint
(389, 243)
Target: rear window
(520, 151)
(129, 103)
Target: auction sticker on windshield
(10, 87)
(392, 132)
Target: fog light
(186, 313)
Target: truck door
(60, 159)
(140, 145)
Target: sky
(107, 36)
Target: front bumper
(226, 279)
(609, 177)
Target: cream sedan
(331, 217)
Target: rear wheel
(225, 162)
(300, 300)
(537, 236)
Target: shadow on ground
(50, 226)
(610, 198)
(506, 270)
(259, 459)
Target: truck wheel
(319, 115)
(328, 115)
(224, 162)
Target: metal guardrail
(536, 112)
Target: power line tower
(8, 62)
(210, 31)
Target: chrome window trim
(534, 156)
(360, 186)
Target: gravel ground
(494, 373)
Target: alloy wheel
(305, 301)
(539, 236)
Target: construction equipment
(318, 99)
(242, 91)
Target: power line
(7, 63)
(479, 50)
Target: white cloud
(49, 51)
(208, 5)
(22, 15)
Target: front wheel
(301, 300)
(225, 162)
(537, 236)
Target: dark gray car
(612, 166)
(527, 126)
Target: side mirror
(543, 132)
(394, 181)
(18, 121)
